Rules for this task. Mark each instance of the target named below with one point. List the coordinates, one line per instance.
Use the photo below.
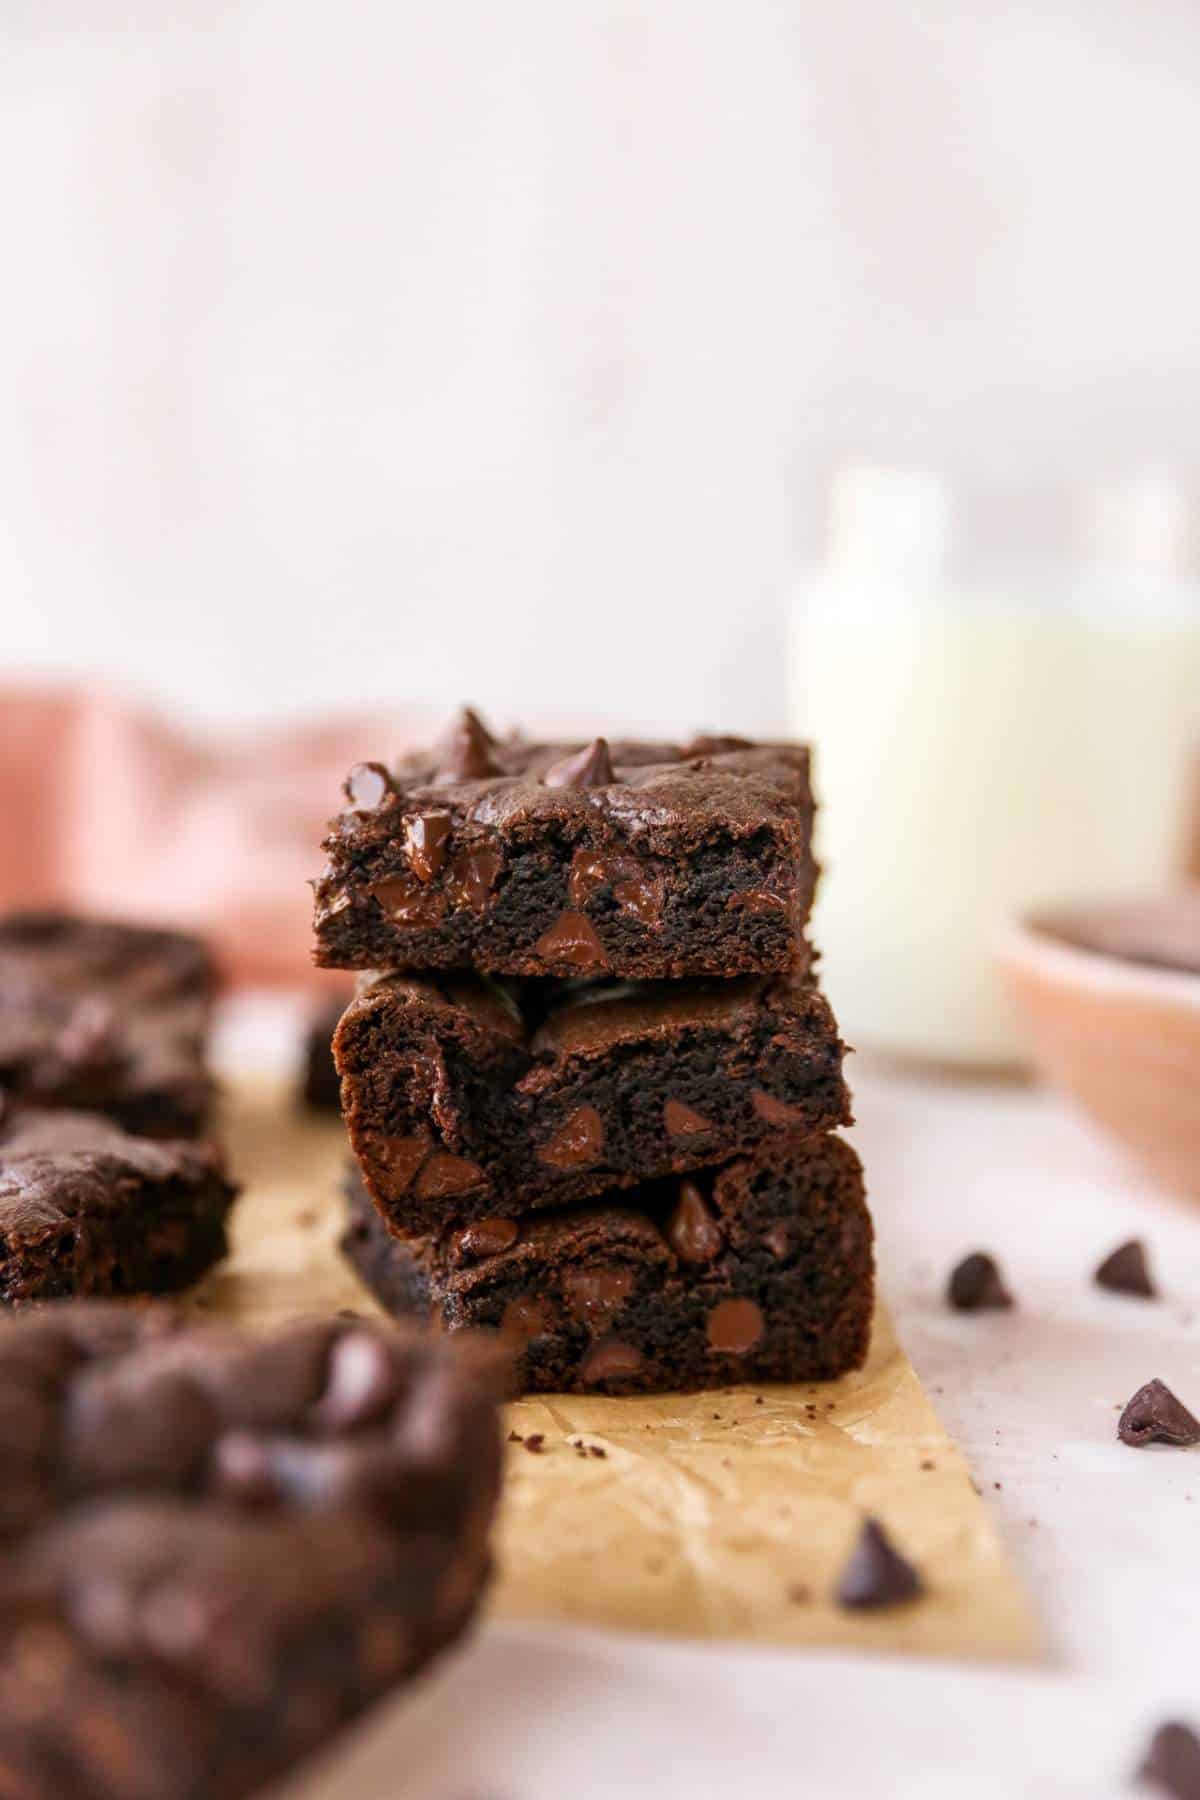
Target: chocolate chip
(360, 1383)
(406, 902)
(590, 767)
(425, 839)
(526, 1318)
(90, 1038)
(976, 1285)
(877, 1576)
(398, 1160)
(704, 745)
(465, 753)
(1155, 1416)
(594, 1294)
(691, 1230)
(776, 1240)
(1126, 1271)
(577, 1142)
(572, 939)
(472, 876)
(444, 1174)
(486, 1237)
(774, 1112)
(683, 1121)
(367, 786)
(1173, 1762)
(535, 1442)
(636, 886)
(735, 1326)
(611, 1361)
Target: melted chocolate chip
(399, 1159)
(735, 1326)
(572, 939)
(446, 1174)
(367, 786)
(683, 1121)
(611, 1361)
(705, 745)
(877, 1576)
(637, 888)
(774, 1112)
(1126, 1271)
(526, 1318)
(486, 1237)
(465, 753)
(1173, 1762)
(577, 1143)
(472, 876)
(1156, 1416)
(425, 839)
(594, 1294)
(976, 1285)
(406, 902)
(590, 767)
(691, 1230)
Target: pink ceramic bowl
(1109, 998)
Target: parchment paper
(719, 1515)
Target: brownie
(636, 859)
(108, 1018)
(320, 1084)
(86, 1208)
(467, 1099)
(759, 1271)
(220, 1548)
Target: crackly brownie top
(474, 778)
(91, 1000)
(555, 1019)
(190, 1492)
(57, 1166)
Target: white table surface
(1106, 1539)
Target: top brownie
(105, 1017)
(629, 859)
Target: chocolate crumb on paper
(1126, 1271)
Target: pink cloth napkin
(107, 810)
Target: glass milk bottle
(1003, 692)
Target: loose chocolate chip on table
(367, 786)
(590, 767)
(976, 1285)
(1126, 1271)
(877, 1576)
(1173, 1762)
(1156, 1416)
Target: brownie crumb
(514, 1437)
(798, 1594)
(877, 1576)
(1156, 1416)
(976, 1285)
(1172, 1762)
(1126, 1271)
(535, 1441)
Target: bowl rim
(1027, 939)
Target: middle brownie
(468, 1099)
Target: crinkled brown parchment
(719, 1515)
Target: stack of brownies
(590, 1081)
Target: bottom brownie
(86, 1208)
(218, 1548)
(758, 1271)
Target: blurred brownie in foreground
(86, 1208)
(635, 859)
(221, 1549)
(108, 1018)
(469, 1098)
(320, 1084)
(759, 1271)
